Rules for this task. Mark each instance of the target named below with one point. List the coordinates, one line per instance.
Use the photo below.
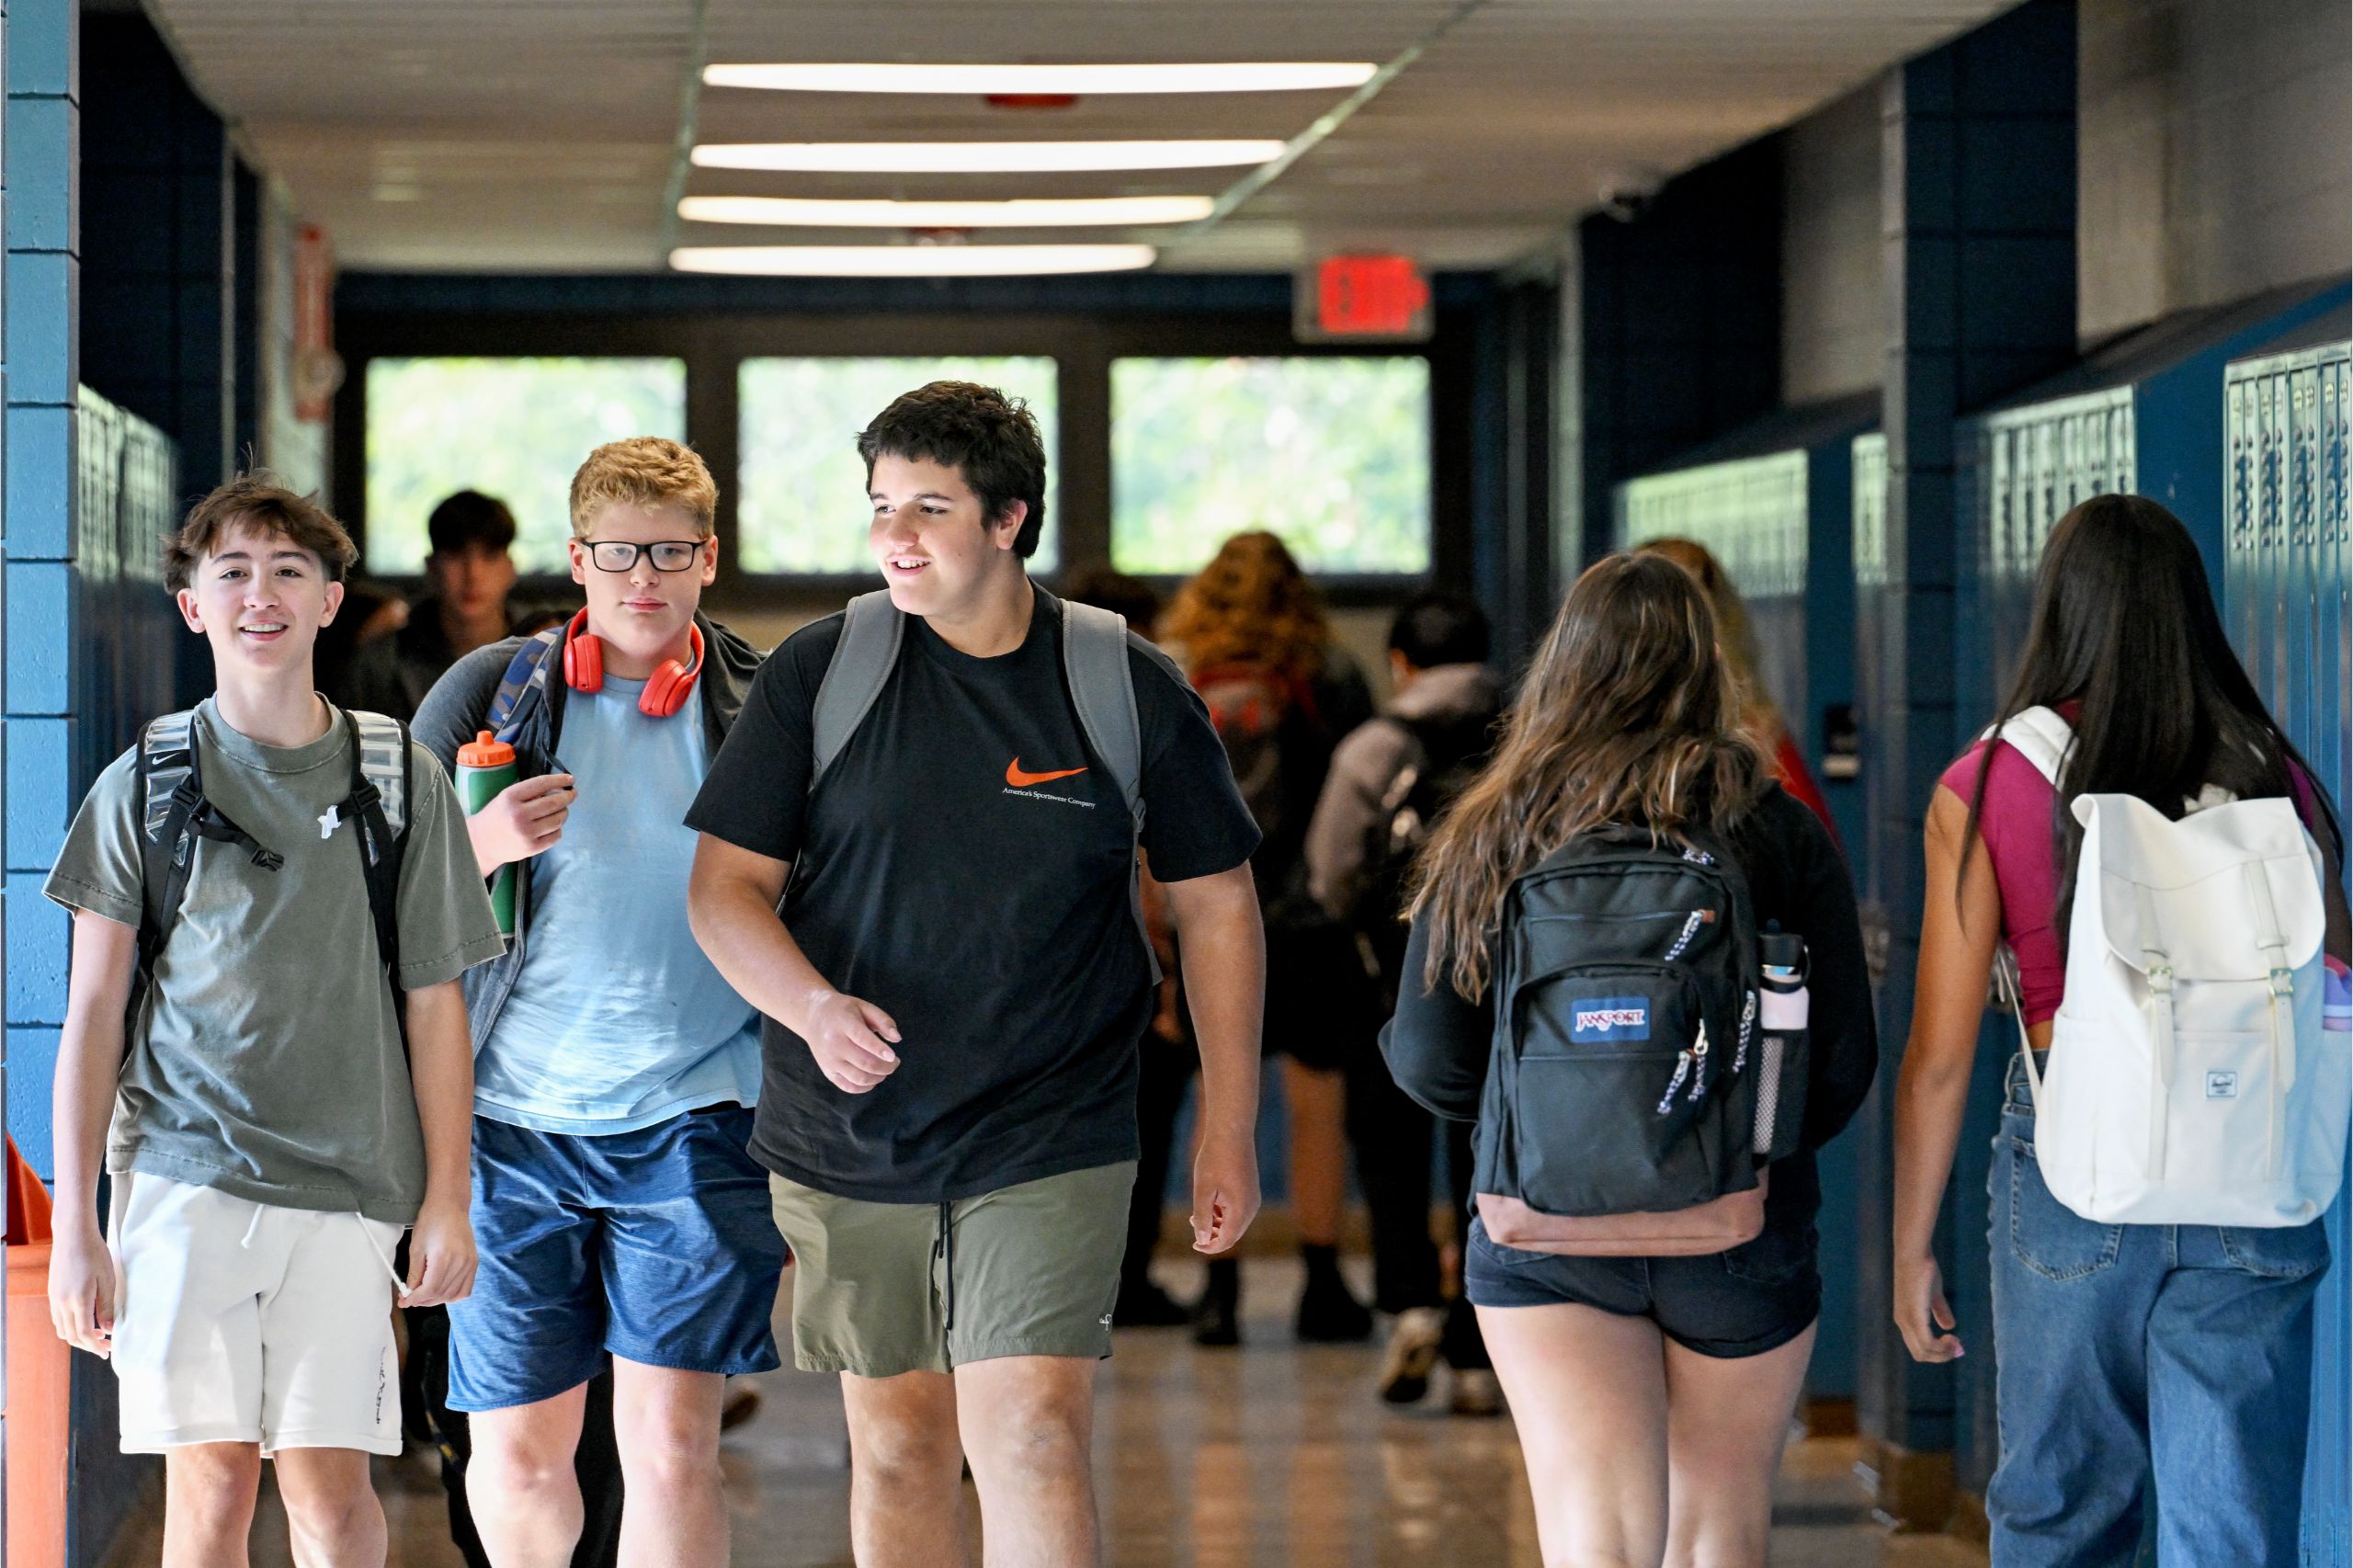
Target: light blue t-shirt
(617, 1021)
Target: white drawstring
(252, 1225)
(400, 1286)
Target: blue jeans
(2132, 1358)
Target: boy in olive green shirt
(269, 1135)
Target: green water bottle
(485, 768)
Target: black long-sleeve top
(1438, 1045)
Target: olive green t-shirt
(265, 1059)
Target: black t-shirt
(986, 913)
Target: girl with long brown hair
(1651, 1394)
(1250, 631)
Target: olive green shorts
(881, 1288)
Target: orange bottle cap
(485, 750)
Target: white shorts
(248, 1322)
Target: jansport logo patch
(1605, 1018)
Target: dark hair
(1437, 627)
(470, 520)
(257, 499)
(991, 438)
(1107, 588)
(2124, 624)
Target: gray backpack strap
(1095, 667)
(383, 762)
(861, 666)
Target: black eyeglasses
(619, 555)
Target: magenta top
(2016, 826)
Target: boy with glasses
(621, 1215)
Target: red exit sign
(1364, 297)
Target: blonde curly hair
(1250, 604)
(643, 471)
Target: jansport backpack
(2189, 1081)
(1619, 1109)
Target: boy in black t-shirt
(956, 989)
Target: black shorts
(1755, 1297)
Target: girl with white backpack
(2155, 872)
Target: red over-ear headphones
(666, 689)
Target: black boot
(1217, 1319)
(1329, 1312)
(1143, 1305)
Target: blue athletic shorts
(655, 1245)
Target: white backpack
(2189, 1081)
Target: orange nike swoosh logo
(1020, 780)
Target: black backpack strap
(174, 814)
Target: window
(1331, 454)
(801, 489)
(513, 429)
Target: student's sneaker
(1412, 1356)
(1329, 1312)
(1475, 1392)
(739, 1404)
(1143, 1305)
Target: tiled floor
(1275, 1456)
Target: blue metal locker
(2289, 600)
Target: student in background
(1251, 634)
(468, 602)
(1758, 712)
(2140, 1364)
(1167, 1059)
(1651, 1394)
(1391, 778)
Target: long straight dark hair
(2124, 624)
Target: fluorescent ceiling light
(796, 212)
(984, 80)
(980, 157)
(908, 261)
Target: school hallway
(1274, 1456)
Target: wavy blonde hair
(643, 471)
(1735, 636)
(1627, 718)
(1250, 604)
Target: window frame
(354, 497)
(714, 343)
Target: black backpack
(1626, 1002)
(1449, 753)
(175, 816)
